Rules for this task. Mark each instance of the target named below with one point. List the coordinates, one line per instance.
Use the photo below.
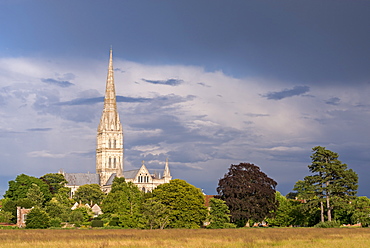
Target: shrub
(55, 222)
(328, 224)
(114, 222)
(97, 223)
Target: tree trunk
(322, 211)
(328, 203)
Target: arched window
(114, 162)
(109, 143)
(143, 189)
(110, 163)
(114, 143)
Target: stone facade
(22, 216)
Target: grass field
(252, 237)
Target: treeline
(246, 196)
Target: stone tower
(109, 148)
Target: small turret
(166, 172)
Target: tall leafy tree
(249, 193)
(18, 188)
(55, 181)
(37, 219)
(184, 201)
(125, 201)
(155, 214)
(89, 193)
(331, 181)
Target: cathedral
(110, 151)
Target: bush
(97, 223)
(114, 222)
(328, 224)
(55, 222)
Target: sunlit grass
(252, 237)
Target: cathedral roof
(130, 174)
(78, 179)
(111, 178)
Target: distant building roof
(130, 174)
(78, 179)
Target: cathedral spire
(109, 148)
(110, 118)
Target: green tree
(37, 219)
(81, 214)
(219, 214)
(55, 209)
(89, 193)
(35, 195)
(5, 217)
(62, 196)
(361, 211)
(125, 201)
(283, 215)
(331, 182)
(155, 214)
(248, 192)
(184, 201)
(55, 181)
(18, 188)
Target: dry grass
(263, 237)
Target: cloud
(333, 101)
(295, 91)
(204, 85)
(93, 100)
(59, 83)
(39, 129)
(256, 115)
(45, 154)
(171, 82)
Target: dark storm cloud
(295, 91)
(39, 129)
(59, 83)
(286, 40)
(171, 82)
(333, 101)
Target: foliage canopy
(248, 192)
(184, 201)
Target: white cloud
(204, 128)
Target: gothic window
(143, 189)
(114, 162)
(110, 163)
(114, 143)
(109, 143)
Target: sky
(204, 83)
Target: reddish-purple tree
(248, 192)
